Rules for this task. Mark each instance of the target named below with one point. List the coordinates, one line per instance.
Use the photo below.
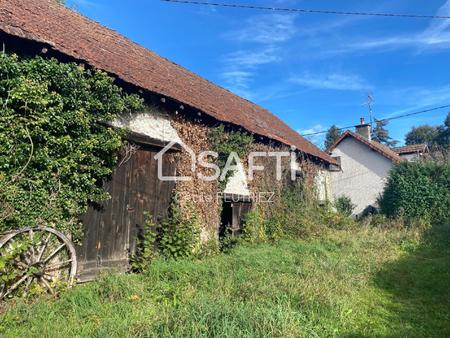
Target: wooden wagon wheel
(46, 259)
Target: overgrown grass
(353, 282)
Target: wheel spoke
(15, 286)
(49, 288)
(2, 290)
(44, 246)
(53, 254)
(57, 266)
(27, 287)
(33, 253)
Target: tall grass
(353, 282)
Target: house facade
(181, 110)
(364, 166)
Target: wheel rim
(47, 259)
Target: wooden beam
(150, 141)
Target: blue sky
(311, 70)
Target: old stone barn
(182, 109)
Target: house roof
(413, 148)
(376, 146)
(74, 35)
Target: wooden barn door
(111, 229)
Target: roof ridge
(375, 145)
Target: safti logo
(204, 157)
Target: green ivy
(55, 150)
(8, 270)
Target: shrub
(344, 205)
(146, 245)
(294, 214)
(418, 190)
(255, 227)
(179, 234)
(174, 238)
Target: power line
(307, 11)
(385, 119)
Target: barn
(181, 109)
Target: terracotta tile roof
(76, 36)
(413, 148)
(378, 147)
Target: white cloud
(317, 139)
(266, 34)
(415, 98)
(238, 81)
(436, 35)
(333, 81)
(265, 29)
(247, 58)
(241, 68)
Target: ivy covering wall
(54, 150)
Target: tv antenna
(369, 106)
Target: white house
(364, 167)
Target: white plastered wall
(152, 124)
(363, 173)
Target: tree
(332, 136)
(381, 134)
(423, 134)
(443, 139)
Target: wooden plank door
(111, 228)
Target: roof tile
(413, 148)
(378, 147)
(72, 34)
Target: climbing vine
(55, 150)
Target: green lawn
(344, 283)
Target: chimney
(364, 129)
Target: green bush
(179, 235)
(174, 238)
(418, 190)
(146, 250)
(55, 150)
(344, 205)
(255, 227)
